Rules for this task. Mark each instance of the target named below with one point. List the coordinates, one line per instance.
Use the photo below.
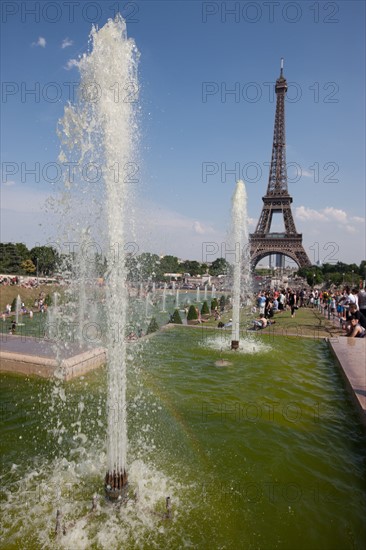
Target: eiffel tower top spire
(277, 181)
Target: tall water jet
(53, 317)
(101, 129)
(164, 298)
(198, 294)
(205, 294)
(18, 304)
(147, 305)
(81, 282)
(239, 237)
(177, 299)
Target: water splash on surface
(248, 346)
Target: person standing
(362, 301)
(281, 301)
(292, 300)
(261, 303)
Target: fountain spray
(239, 236)
(101, 129)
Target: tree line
(17, 259)
(337, 274)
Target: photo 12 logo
(253, 92)
(54, 92)
(252, 171)
(269, 12)
(69, 172)
(68, 11)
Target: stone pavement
(350, 354)
(29, 356)
(29, 345)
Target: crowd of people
(349, 305)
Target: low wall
(45, 367)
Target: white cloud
(166, 231)
(335, 214)
(70, 64)
(330, 234)
(307, 174)
(66, 43)
(198, 228)
(40, 42)
(9, 183)
(308, 214)
(329, 215)
(357, 219)
(350, 229)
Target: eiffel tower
(277, 198)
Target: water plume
(99, 134)
(239, 237)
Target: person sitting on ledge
(353, 312)
(357, 330)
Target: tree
(169, 264)
(214, 304)
(192, 267)
(148, 265)
(11, 257)
(204, 309)
(176, 318)
(220, 267)
(314, 277)
(28, 266)
(222, 302)
(132, 265)
(192, 313)
(153, 326)
(22, 251)
(362, 269)
(47, 259)
(334, 278)
(101, 265)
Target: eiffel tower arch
(277, 199)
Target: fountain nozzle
(234, 344)
(168, 506)
(115, 485)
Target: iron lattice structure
(277, 198)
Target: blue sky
(193, 130)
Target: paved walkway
(351, 357)
(27, 345)
(29, 356)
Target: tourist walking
(292, 300)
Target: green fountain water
(265, 453)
